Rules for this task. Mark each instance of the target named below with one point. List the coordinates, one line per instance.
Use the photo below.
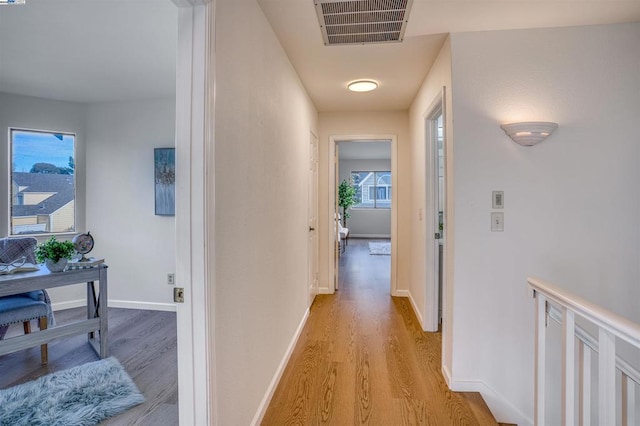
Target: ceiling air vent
(362, 21)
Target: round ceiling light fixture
(362, 85)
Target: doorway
(364, 183)
(390, 196)
(312, 218)
(436, 214)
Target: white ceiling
(401, 67)
(111, 50)
(89, 50)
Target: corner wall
(572, 203)
(138, 246)
(422, 273)
(263, 122)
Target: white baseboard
(60, 306)
(416, 310)
(386, 236)
(149, 306)
(324, 290)
(500, 407)
(262, 408)
(401, 293)
(127, 304)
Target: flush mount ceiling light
(362, 85)
(529, 133)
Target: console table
(97, 318)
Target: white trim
(194, 143)
(70, 304)
(500, 407)
(264, 404)
(126, 304)
(415, 308)
(333, 141)
(431, 293)
(147, 306)
(385, 236)
(402, 293)
(325, 290)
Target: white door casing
(194, 212)
(333, 211)
(312, 214)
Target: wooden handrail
(620, 326)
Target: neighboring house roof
(60, 185)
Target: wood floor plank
(363, 358)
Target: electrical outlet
(171, 279)
(178, 295)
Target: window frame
(10, 234)
(366, 189)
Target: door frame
(195, 234)
(312, 206)
(332, 209)
(432, 292)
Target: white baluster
(584, 357)
(628, 401)
(606, 377)
(540, 343)
(568, 366)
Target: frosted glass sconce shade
(529, 133)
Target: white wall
(138, 246)
(422, 254)
(375, 223)
(263, 121)
(44, 114)
(366, 123)
(572, 203)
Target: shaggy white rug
(80, 396)
(382, 248)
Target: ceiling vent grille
(362, 21)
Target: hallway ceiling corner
(400, 68)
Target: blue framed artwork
(165, 179)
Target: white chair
(343, 234)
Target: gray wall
(367, 222)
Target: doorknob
(311, 229)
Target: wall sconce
(529, 133)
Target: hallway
(363, 359)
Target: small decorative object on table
(84, 244)
(55, 254)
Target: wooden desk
(22, 282)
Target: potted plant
(347, 197)
(55, 254)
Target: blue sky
(35, 147)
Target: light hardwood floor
(143, 341)
(362, 358)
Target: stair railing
(562, 306)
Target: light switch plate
(497, 222)
(497, 199)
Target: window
(42, 182)
(373, 189)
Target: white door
(312, 214)
(336, 216)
